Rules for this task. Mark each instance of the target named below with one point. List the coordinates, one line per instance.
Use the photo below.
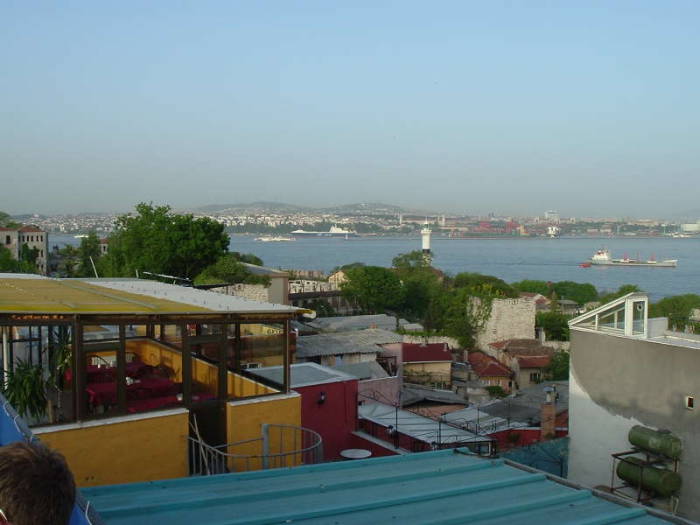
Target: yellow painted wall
(240, 386)
(441, 368)
(497, 381)
(206, 374)
(125, 452)
(245, 420)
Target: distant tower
(425, 234)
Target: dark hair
(36, 485)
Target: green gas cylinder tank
(655, 441)
(661, 481)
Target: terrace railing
(279, 446)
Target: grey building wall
(39, 241)
(14, 239)
(618, 382)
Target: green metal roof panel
(445, 487)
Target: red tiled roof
(534, 361)
(8, 229)
(485, 365)
(28, 229)
(416, 353)
(499, 345)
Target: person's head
(36, 485)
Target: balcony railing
(279, 446)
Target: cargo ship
(603, 258)
(333, 232)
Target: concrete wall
(451, 341)
(385, 390)
(254, 292)
(522, 377)
(143, 447)
(437, 371)
(277, 292)
(346, 359)
(510, 319)
(616, 383)
(562, 346)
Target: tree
(422, 289)
(89, 248)
(622, 290)
(558, 369)
(10, 264)
(158, 241)
(248, 258)
(410, 260)
(483, 283)
(28, 255)
(68, 261)
(347, 267)
(541, 287)
(676, 306)
(7, 222)
(229, 270)
(554, 324)
(375, 289)
(582, 293)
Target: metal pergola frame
(80, 348)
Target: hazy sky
(511, 107)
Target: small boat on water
(602, 257)
(277, 238)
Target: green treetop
(158, 241)
(374, 288)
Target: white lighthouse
(425, 235)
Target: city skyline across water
(508, 259)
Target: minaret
(425, 234)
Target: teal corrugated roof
(443, 487)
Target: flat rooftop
(36, 294)
(416, 426)
(351, 342)
(302, 374)
(446, 487)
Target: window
(535, 377)
(8, 240)
(689, 402)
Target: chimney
(548, 415)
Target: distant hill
(363, 208)
(260, 206)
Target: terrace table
(105, 393)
